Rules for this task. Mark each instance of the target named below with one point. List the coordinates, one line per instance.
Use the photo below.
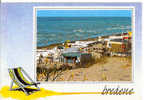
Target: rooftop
(73, 54)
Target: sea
(52, 30)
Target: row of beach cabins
(80, 52)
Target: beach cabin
(118, 44)
(118, 47)
(74, 58)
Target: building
(76, 58)
(118, 46)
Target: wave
(57, 30)
(119, 28)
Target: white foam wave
(121, 27)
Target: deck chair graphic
(27, 85)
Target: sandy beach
(101, 68)
(113, 69)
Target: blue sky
(84, 13)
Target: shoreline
(60, 44)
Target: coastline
(98, 67)
(60, 44)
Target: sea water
(51, 30)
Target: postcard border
(84, 8)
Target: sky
(84, 13)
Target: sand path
(114, 69)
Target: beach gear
(22, 80)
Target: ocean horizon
(52, 30)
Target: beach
(114, 69)
(106, 63)
(60, 44)
(84, 48)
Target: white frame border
(84, 8)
